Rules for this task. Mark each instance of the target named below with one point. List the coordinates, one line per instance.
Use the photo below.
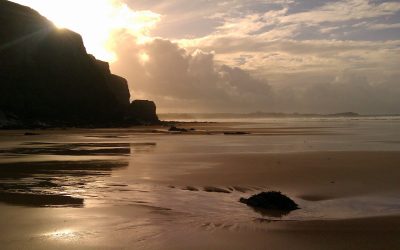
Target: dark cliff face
(46, 74)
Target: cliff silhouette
(48, 79)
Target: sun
(96, 21)
(143, 57)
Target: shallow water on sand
(85, 185)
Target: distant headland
(186, 116)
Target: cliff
(47, 77)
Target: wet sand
(147, 188)
(311, 174)
(132, 228)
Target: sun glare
(65, 234)
(96, 21)
(144, 57)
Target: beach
(150, 188)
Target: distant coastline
(168, 116)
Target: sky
(303, 56)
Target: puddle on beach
(61, 182)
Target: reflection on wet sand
(56, 183)
(40, 200)
(80, 149)
(50, 183)
(271, 212)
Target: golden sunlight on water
(65, 234)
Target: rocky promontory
(48, 79)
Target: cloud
(340, 11)
(180, 81)
(255, 60)
(177, 79)
(348, 91)
(383, 26)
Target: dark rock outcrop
(143, 111)
(47, 77)
(270, 201)
(175, 129)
